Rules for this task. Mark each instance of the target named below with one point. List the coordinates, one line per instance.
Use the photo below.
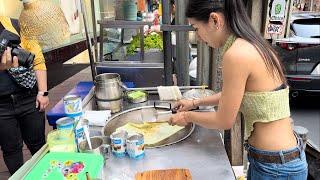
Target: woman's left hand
(42, 102)
(179, 119)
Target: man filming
(23, 94)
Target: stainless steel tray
(134, 115)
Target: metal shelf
(123, 24)
(106, 23)
(166, 27)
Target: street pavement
(305, 111)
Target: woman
(23, 99)
(253, 83)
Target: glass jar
(61, 141)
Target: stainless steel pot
(108, 86)
(114, 106)
(108, 91)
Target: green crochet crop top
(264, 107)
(261, 106)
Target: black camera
(9, 39)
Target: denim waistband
(280, 153)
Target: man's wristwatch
(43, 93)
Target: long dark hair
(240, 25)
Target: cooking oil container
(61, 141)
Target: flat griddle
(134, 116)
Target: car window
(307, 27)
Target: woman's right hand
(7, 61)
(184, 105)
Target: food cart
(200, 150)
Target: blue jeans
(297, 169)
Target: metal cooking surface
(134, 115)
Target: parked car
(300, 53)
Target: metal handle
(163, 102)
(172, 110)
(167, 112)
(156, 88)
(124, 87)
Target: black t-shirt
(7, 83)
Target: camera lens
(25, 58)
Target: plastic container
(137, 96)
(141, 5)
(130, 10)
(107, 8)
(66, 123)
(61, 141)
(67, 166)
(119, 13)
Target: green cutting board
(67, 166)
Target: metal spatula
(152, 115)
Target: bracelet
(185, 116)
(193, 103)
